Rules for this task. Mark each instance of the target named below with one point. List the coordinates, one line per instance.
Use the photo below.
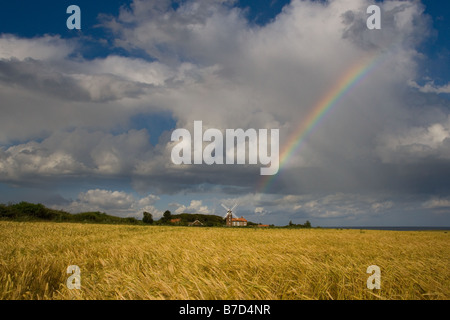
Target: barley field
(159, 262)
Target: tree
(148, 218)
(166, 216)
(307, 224)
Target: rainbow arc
(348, 80)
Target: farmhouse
(175, 221)
(195, 223)
(239, 222)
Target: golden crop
(159, 262)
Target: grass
(159, 262)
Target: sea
(394, 228)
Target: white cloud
(437, 203)
(107, 199)
(117, 203)
(76, 153)
(196, 206)
(379, 206)
(18, 162)
(414, 143)
(148, 200)
(430, 87)
(260, 211)
(132, 69)
(337, 205)
(40, 48)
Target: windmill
(229, 216)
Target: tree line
(184, 219)
(307, 224)
(25, 211)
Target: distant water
(394, 228)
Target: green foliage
(166, 216)
(208, 220)
(30, 209)
(307, 224)
(130, 220)
(5, 212)
(25, 211)
(148, 218)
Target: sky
(363, 115)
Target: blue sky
(87, 114)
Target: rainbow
(349, 79)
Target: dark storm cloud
(422, 178)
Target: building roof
(175, 220)
(195, 223)
(241, 219)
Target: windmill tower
(229, 215)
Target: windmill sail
(230, 211)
